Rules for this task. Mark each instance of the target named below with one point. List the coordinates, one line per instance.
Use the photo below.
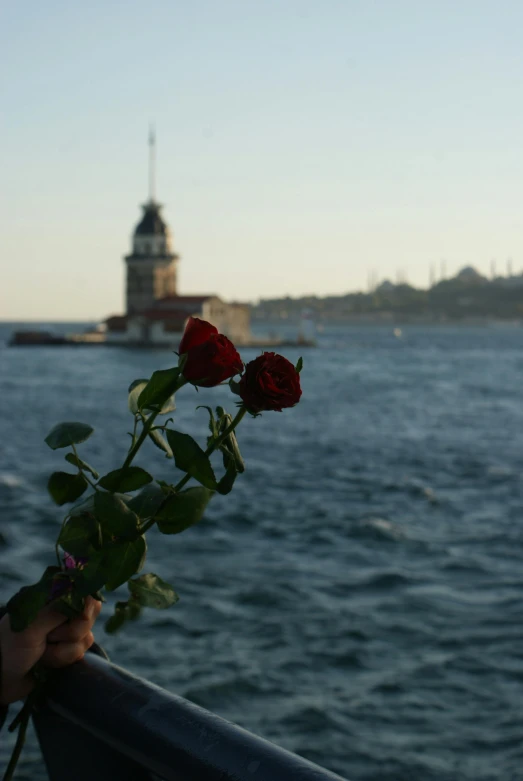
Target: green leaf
(183, 510)
(234, 386)
(117, 620)
(124, 480)
(111, 566)
(24, 606)
(147, 502)
(168, 406)
(225, 485)
(67, 434)
(81, 464)
(123, 611)
(123, 560)
(92, 577)
(135, 388)
(159, 390)
(213, 427)
(80, 536)
(70, 604)
(151, 591)
(115, 516)
(299, 365)
(85, 506)
(189, 457)
(159, 441)
(65, 487)
(230, 445)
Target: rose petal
(212, 362)
(196, 332)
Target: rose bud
(270, 382)
(209, 357)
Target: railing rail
(103, 722)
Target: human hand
(51, 639)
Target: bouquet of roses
(102, 540)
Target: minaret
(151, 266)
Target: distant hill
(468, 296)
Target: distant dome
(469, 274)
(152, 223)
(386, 286)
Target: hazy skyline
(300, 144)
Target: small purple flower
(62, 583)
(70, 562)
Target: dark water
(358, 598)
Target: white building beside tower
(155, 313)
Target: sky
(301, 145)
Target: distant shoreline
(394, 321)
(295, 321)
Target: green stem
(27, 707)
(212, 447)
(133, 439)
(20, 740)
(93, 485)
(57, 546)
(81, 471)
(147, 426)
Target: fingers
(76, 629)
(92, 609)
(72, 632)
(46, 621)
(64, 654)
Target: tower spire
(152, 163)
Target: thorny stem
(215, 444)
(141, 439)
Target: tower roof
(152, 223)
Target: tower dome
(152, 223)
(152, 235)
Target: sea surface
(358, 598)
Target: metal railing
(101, 722)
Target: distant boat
(31, 338)
(91, 336)
(398, 333)
(307, 330)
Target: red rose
(270, 382)
(210, 358)
(196, 332)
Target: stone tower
(151, 266)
